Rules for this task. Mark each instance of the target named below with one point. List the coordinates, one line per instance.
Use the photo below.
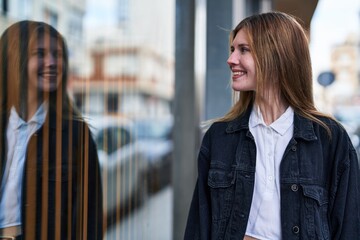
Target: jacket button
(293, 148)
(296, 229)
(294, 187)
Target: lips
(47, 74)
(238, 73)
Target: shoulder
(230, 125)
(222, 133)
(217, 128)
(338, 139)
(336, 128)
(318, 125)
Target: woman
(49, 172)
(274, 167)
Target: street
(152, 220)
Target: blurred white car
(154, 140)
(121, 164)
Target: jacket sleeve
(345, 199)
(198, 222)
(89, 213)
(95, 203)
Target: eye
(57, 54)
(39, 53)
(232, 49)
(244, 49)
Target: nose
(50, 60)
(233, 59)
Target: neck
(33, 104)
(272, 109)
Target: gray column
(186, 131)
(218, 88)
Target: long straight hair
(280, 48)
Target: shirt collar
(281, 125)
(15, 121)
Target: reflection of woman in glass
(274, 167)
(49, 173)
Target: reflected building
(128, 80)
(130, 62)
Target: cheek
(252, 68)
(32, 64)
(32, 67)
(60, 66)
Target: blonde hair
(280, 49)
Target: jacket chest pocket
(54, 172)
(222, 189)
(59, 173)
(316, 211)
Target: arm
(95, 204)
(88, 214)
(199, 218)
(345, 200)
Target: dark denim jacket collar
(303, 127)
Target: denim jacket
(319, 183)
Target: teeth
(48, 74)
(238, 73)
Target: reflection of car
(121, 163)
(154, 140)
(349, 116)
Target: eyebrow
(43, 48)
(241, 45)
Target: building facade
(129, 64)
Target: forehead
(45, 39)
(241, 37)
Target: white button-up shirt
(271, 141)
(18, 134)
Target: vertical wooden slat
(118, 182)
(45, 182)
(86, 184)
(70, 179)
(105, 190)
(58, 187)
(79, 194)
(31, 200)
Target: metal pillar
(218, 88)
(186, 130)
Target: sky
(100, 13)
(332, 22)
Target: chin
(242, 89)
(48, 88)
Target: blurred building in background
(129, 67)
(131, 81)
(345, 61)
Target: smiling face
(45, 64)
(242, 64)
